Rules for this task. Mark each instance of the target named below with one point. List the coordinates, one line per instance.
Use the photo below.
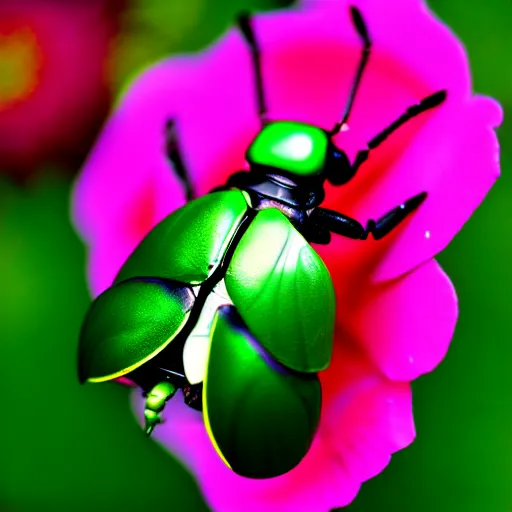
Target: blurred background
(66, 447)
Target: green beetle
(227, 300)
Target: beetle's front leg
(335, 222)
(315, 233)
(155, 403)
(392, 219)
(346, 226)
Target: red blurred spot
(140, 215)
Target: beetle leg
(155, 403)
(174, 155)
(392, 219)
(336, 222)
(193, 395)
(343, 225)
(245, 26)
(362, 31)
(315, 233)
(425, 104)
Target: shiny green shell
(129, 324)
(260, 416)
(284, 293)
(137, 318)
(298, 148)
(190, 243)
(278, 283)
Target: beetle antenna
(360, 26)
(245, 26)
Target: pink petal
(114, 237)
(461, 167)
(127, 161)
(366, 417)
(376, 424)
(406, 325)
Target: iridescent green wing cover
(189, 244)
(261, 417)
(130, 323)
(284, 292)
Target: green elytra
(273, 275)
(185, 249)
(233, 275)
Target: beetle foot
(194, 396)
(155, 403)
(152, 420)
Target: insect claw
(152, 420)
(360, 25)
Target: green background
(66, 447)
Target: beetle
(227, 300)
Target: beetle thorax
(296, 149)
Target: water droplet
(427, 234)
(345, 128)
(411, 360)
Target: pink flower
(396, 309)
(53, 83)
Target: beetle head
(298, 151)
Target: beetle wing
(261, 416)
(284, 292)
(189, 244)
(129, 324)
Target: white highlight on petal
(427, 234)
(197, 346)
(297, 147)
